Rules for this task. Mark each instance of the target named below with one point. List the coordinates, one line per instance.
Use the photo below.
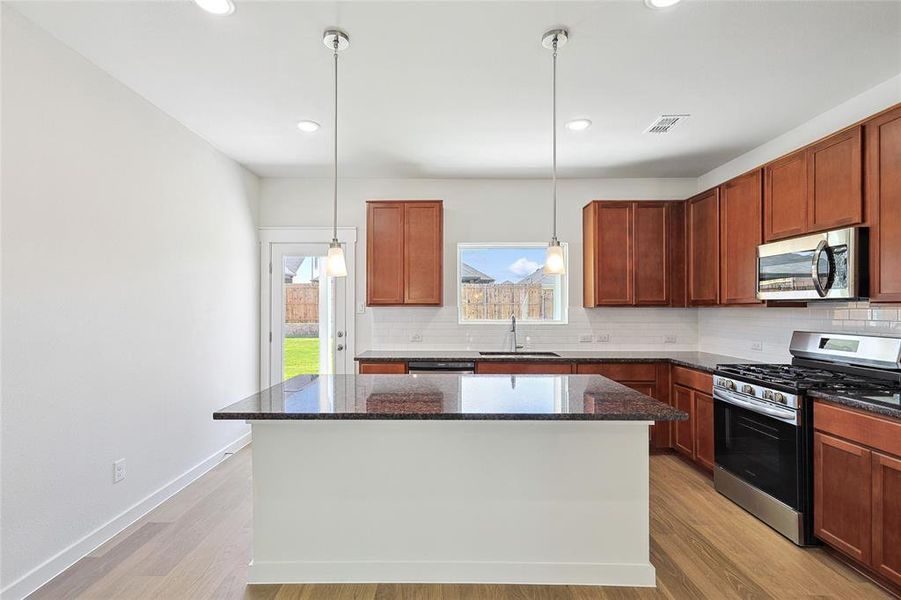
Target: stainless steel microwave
(824, 266)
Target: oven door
(761, 444)
(818, 266)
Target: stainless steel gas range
(763, 421)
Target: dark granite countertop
(702, 361)
(859, 401)
(451, 397)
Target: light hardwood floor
(197, 545)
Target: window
(495, 281)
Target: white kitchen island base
(451, 501)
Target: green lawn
(301, 356)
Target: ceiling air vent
(665, 123)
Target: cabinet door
(650, 253)
(703, 417)
(834, 181)
(704, 249)
(887, 516)
(523, 368)
(842, 493)
(785, 197)
(883, 135)
(423, 253)
(676, 255)
(683, 431)
(384, 253)
(741, 217)
(394, 368)
(613, 254)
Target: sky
(505, 263)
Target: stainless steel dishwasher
(435, 367)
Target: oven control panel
(757, 391)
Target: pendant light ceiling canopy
(554, 260)
(335, 266)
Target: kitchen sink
(518, 354)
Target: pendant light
(554, 263)
(335, 265)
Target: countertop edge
(634, 418)
(862, 405)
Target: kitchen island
(451, 479)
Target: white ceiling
(462, 89)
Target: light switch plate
(757, 346)
(416, 337)
(669, 339)
(603, 338)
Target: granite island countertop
(451, 397)
(703, 361)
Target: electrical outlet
(603, 338)
(669, 339)
(757, 346)
(416, 337)
(119, 470)
(361, 308)
(585, 339)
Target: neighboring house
(470, 274)
(292, 266)
(539, 276)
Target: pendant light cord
(335, 171)
(554, 120)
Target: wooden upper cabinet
(887, 516)
(834, 181)
(703, 251)
(404, 252)
(785, 197)
(883, 177)
(741, 214)
(650, 252)
(842, 495)
(423, 252)
(384, 253)
(614, 274)
(626, 248)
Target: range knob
(729, 384)
(768, 394)
(748, 389)
(779, 397)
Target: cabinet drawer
(524, 368)
(881, 433)
(386, 368)
(698, 380)
(620, 371)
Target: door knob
(339, 347)
(339, 334)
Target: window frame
(564, 283)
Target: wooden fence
(302, 302)
(497, 301)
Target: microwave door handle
(815, 271)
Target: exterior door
(306, 313)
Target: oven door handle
(786, 416)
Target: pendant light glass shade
(334, 264)
(554, 262)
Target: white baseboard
(58, 563)
(637, 575)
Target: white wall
(486, 210)
(130, 282)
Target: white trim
(564, 291)
(46, 571)
(520, 573)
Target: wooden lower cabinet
(692, 392)
(383, 368)
(886, 472)
(857, 487)
(703, 421)
(523, 368)
(842, 510)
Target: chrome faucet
(514, 347)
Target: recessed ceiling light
(660, 3)
(307, 126)
(217, 7)
(578, 124)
